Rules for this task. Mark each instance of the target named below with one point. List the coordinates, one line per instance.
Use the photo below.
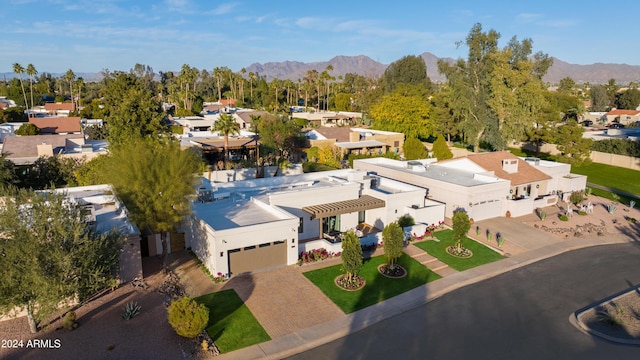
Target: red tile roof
(56, 125)
(624, 112)
(492, 161)
(59, 106)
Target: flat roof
(436, 172)
(236, 211)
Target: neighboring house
(356, 140)
(107, 213)
(248, 225)
(59, 109)
(243, 117)
(329, 118)
(486, 185)
(58, 125)
(6, 103)
(9, 129)
(625, 117)
(240, 148)
(25, 150)
(195, 123)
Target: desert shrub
(406, 220)
(582, 212)
(576, 197)
(69, 321)
(187, 317)
(543, 215)
(441, 149)
(564, 217)
(611, 208)
(130, 310)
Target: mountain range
(598, 73)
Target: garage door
(257, 257)
(485, 210)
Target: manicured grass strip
(481, 254)
(378, 288)
(231, 323)
(611, 176)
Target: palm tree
(252, 76)
(31, 71)
(18, 70)
(226, 125)
(70, 77)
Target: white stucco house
(248, 225)
(485, 185)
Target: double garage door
(257, 257)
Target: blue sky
(91, 35)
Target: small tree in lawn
(461, 226)
(392, 236)
(351, 255)
(187, 317)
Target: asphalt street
(522, 314)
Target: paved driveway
(519, 237)
(281, 299)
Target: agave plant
(130, 310)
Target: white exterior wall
(430, 214)
(293, 202)
(209, 244)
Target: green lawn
(231, 323)
(606, 175)
(611, 176)
(481, 254)
(378, 288)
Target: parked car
(587, 123)
(616, 125)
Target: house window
(331, 224)
(396, 143)
(301, 226)
(360, 217)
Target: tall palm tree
(226, 125)
(18, 70)
(31, 71)
(70, 77)
(252, 76)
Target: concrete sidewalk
(317, 335)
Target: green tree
(280, 136)
(407, 114)
(495, 93)
(27, 129)
(393, 237)
(13, 114)
(50, 171)
(409, 70)
(154, 179)
(440, 149)
(187, 317)
(18, 70)
(574, 148)
(414, 149)
(49, 255)
(567, 85)
(461, 226)
(443, 115)
(629, 99)
(7, 172)
(93, 171)
(351, 255)
(131, 112)
(599, 98)
(226, 125)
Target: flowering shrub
(219, 278)
(316, 255)
(428, 232)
